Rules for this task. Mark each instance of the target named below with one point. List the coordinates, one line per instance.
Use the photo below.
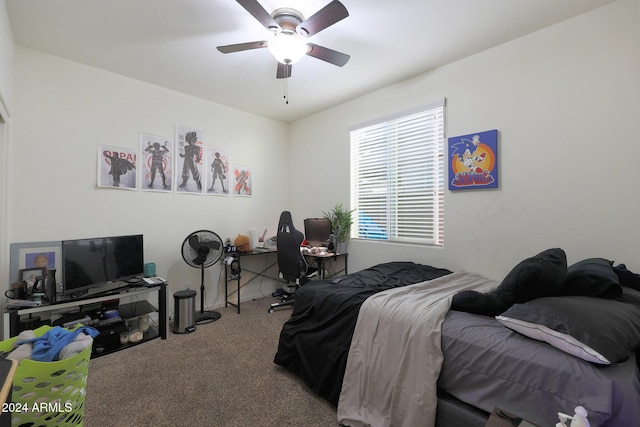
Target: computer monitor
(317, 231)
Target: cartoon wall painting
(189, 164)
(216, 165)
(117, 167)
(242, 180)
(156, 163)
(474, 161)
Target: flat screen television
(101, 263)
(317, 231)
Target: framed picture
(156, 163)
(38, 255)
(242, 177)
(189, 153)
(217, 170)
(30, 275)
(474, 161)
(117, 167)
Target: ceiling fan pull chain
(286, 91)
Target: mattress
(487, 365)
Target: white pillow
(561, 341)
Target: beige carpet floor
(220, 375)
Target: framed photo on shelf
(47, 255)
(30, 275)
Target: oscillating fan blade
(194, 242)
(242, 46)
(284, 71)
(258, 12)
(203, 253)
(329, 55)
(214, 244)
(324, 18)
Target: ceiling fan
(290, 33)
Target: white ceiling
(172, 43)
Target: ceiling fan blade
(258, 12)
(329, 55)
(284, 71)
(242, 46)
(324, 18)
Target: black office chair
(291, 263)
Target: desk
(264, 272)
(320, 260)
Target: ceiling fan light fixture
(288, 48)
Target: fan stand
(208, 316)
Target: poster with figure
(117, 167)
(216, 164)
(189, 160)
(156, 163)
(474, 161)
(242, 180)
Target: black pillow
(592, 277)
(579, 325)
(627, 278)
(539, 276)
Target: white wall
(64, 110)
(566, 101)
(6, 62)
(6, 98)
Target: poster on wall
(156, 163)
(117, 167)
(189, 156)
(242, 180)
(216, 164)
(474, 161)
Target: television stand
(11, 320)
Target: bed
(385, 347)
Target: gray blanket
(395, 355)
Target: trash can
(184, 319)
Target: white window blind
(397, 178)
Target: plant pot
(341, 248)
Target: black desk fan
(202, 249)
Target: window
(397, 178)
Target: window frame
(385, 160)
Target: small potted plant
(341, 220)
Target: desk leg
(226, 283)
(346, 258)
(320, 262)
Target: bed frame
(452, 412)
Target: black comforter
(314, 342)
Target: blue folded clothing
(47, 347)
